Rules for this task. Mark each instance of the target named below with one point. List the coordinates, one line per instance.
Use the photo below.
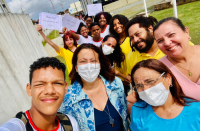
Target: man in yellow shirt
(140, 31)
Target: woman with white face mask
(161, 104)
(96, 97)
(111, 48)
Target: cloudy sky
(34, 7)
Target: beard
(149, 40)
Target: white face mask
(107, 50)
(155, 96)
(89, 72)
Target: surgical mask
(155, 96)
(89, 72)
(107, 50)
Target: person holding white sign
(67, 52)
(96, 30)
(103, 18)
(83, 37)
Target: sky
(34, 7)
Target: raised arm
(39, 29)
(76, 36)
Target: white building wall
(19, 47)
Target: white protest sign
(94, 9)
(70, 22)
(50, 21)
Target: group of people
(156, 58)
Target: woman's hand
(127, 78)
(64, 30)
(39, 28)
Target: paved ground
(50, 51)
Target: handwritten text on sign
(94, 9)
(71, 23)
(50, 21)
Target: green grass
(52, 35)
(189, 14)
(66, 72)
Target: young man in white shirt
(47, 88)
(96, 32)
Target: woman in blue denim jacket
(96, 97)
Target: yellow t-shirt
(125, 46)
(135, 56)
(191, 43)
(122, 70)
(67, 55)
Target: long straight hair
(156, 65)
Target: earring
(171, 85)
(190, 38)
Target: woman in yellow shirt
(67, 52)
(117, 28)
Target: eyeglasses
(140, 87)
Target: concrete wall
(114, 5)
(19, 47)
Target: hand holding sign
(50, 21)
(70, 22)
(94, 9)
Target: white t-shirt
(105, 31)
(84, 40)
(97, 43)
(16, 124)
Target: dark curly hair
(122, 19)
(106, 71)
(117, 56)
(87, 17)
(107, 15)
(79, 28)
(143, 21)
(45, 62)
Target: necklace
(189, 72)
(111, 121)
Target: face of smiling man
(47, 90)
(141, 38)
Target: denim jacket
(79, 105)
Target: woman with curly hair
(117, 28)
(103, 18)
